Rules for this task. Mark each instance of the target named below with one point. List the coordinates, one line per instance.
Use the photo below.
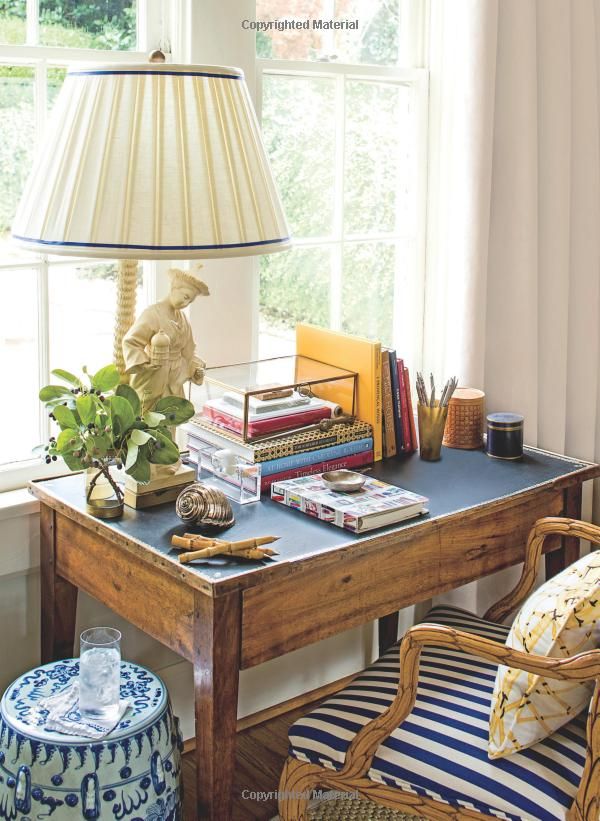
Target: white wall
(260, 687)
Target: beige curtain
(513, 264)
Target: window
(345, 125)
(54, 312)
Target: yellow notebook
(354, 353)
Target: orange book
(354, 353)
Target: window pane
(374, 40)
(82, 313)
(56, 77)
(379, 163)
(12, 22)
(368, 290)
(19, 419)
(294, 287)
(408, 314)
(299, 131)
(105, 24)
(17, 140)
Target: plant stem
(104, 470)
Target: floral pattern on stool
(131, 775)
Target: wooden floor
(261, 751)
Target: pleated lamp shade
(152, 161)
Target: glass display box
(273, 397)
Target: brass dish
(344, 481)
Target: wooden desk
(226, 616)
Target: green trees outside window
(105, 24)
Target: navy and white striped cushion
(440, 750)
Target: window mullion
(151, 25)
(32, 26)
(335, 299)
(40, 98)
(43, 341)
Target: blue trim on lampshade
(162, 71)
(151, 247)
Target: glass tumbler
(99, 673)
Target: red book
(411, 415)
(406, 439)
(344, 462)
(261, 427)
(389, 430)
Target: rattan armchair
(299, 776)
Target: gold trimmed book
(300, 441)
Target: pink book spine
(262, 426)
(353, 461)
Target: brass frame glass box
(302, 377)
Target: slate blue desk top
(461, 480)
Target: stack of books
(398, 422)
(384, 395)
(282, 428)
(290, 443)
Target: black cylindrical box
(505, 435)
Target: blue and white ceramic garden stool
(132, 774)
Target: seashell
(203, 505)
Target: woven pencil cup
(464, 426)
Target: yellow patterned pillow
(559, 619)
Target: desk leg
(569, 551)
(388, 631)
(59, 597)
(217, 640)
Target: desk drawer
(340, 592)
(358, 584)
(484, 542)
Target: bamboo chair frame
(299, 778)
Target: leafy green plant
(103, 422)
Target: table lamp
(151, 161)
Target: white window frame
(417, 80)
(153, 30)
